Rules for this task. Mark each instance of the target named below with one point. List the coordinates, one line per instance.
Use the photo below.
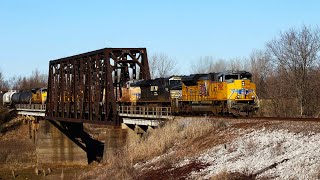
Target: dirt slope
(221, 149)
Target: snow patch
(298, 155)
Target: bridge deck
(139, 115)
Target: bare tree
(237, 64)
(261, 69)
(218, 65)
(203, 65)
(208, 64)
(153, 66)
(296, 53)
(3, 83)
(161, 65)
(36, 80)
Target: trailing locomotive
(157, 91)
(221, 93)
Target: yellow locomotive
(39, 95)
(218, 93)
(223, 93)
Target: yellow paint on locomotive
(131, 94)
(227, 96)
(205, 90)
(39, 96)
(241, 90)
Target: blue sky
(34, 32)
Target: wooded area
(35, 80)
(286, 72)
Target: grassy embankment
(176, 140)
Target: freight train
(223, 93)
(34, 96)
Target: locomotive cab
(241, 92)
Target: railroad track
(282, 118)
(260, 118)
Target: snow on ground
(297, 155)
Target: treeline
(35, 80)
(286, 72)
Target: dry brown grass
(155, 143)
(16, 149)
(5, 116)
(162, 139)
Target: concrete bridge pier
(65, 143)
(116, 140)
(55, 147)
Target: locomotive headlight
(238, 97)
(253, 97)
(242, 83)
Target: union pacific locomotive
(223, 93)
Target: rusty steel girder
(83, 88)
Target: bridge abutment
(54, 147)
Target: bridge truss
(84, 88)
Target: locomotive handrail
(144, 111)
(257, 101)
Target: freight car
(7, 98)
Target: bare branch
(161, 65)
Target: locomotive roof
(193, 78)
(150, 82)
(234, 72)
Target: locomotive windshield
(231, 76)
(246, 76)
(174, 82)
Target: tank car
(23, 97)
(7, 97)
(15, 98)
